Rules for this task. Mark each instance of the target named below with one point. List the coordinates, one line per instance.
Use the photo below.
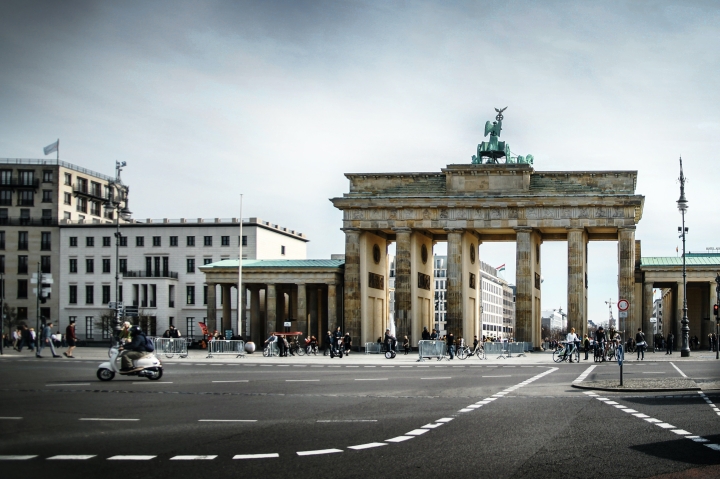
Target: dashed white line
(399, 439)
(227, 420)
(256, 456)
(416, 432)
(67, 457)
(301, 380)
(130, 458)
(441, 377)
(371, 379)
(192, 458)
(68, 384)
(16, 458)
(346, 420)
(678, 370)
(318, 452)
(367, 446)
(106, 419)
(236, 381)
(152, 382)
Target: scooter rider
(337, 336)
(135, 349)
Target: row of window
(147, 324)
(90, 295)
(90, 265)
(24, 197)
(25, 177)
(156, 241)
(23, 240)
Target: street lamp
(115, 204)
(683, 206)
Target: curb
(640, 390)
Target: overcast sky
(276, 100)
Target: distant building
(554, 323)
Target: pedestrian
(670, 343)
(347, 343)
(434, 335)
(450, 340)
(390, 341)
(25, 339)
(174, 332)
(640, 342)
(570, 340)
(46, 340)
(70, 338)
(475, 342)
(425, 334)
(586, 344)
(125, 332)
(281, 345)
(406, 344)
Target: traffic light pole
(38, 292)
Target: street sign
(114, 305)
(623, 305)
(131, 311)
(622, 314)
(287, 324)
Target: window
(73, 265)
(90, 241)
(5, 177)
(244, 240)
(27, 177)
(191, 295)
(46, 217)
(81, 205)
(106, 265)
(120, 293)
(190, 266)
(46, 241)
(282, 250)
(4, 216)
(205, 291)
(123, 240)
(95, 208)
(73, 294)
(190, 241)
(47, 196)
(89, 327)
(23, 240)
(207, 240)
(89, 293)
(190, 327)
(156, 241)
(173, 241)
(2, 267)
(225, 241)
(139, 241)
(45, 264)
(68, 179)
(123, 265)
(24, 216)
(6, 197)
(106, 241)
(73, 241)
(22, 289)
(82, 185)
(105, 294)
(207, 260)
(2, 240)
(22, 264)
(67, 198)
(26, 198)
(95, 189)
(47, 176)
(89, 265)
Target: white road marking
(106, 419)
(192, 458)
(716, 447)
(238, 381)
(318, 452)
(130, 458)
(367, 446)
(256, 456)
(399, 439)
(71, 457)
(68, 384)
(346, 420)
(416, 432)
(678, 370)
(665, 425)
(432, 425)
(227, 420)
(584, 375)
(16, 458)
(681, 432)
(445, 419)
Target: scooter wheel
(157, 374)
(340, 354)
(394, 354)
(388, 355)
(104, 374)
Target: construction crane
(611, 320)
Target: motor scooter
(149, 366)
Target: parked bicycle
(467, 351)
(566, 352)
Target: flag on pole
(501, 267)
(52, 147)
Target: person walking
(586, 344)
(46, 340)
(640, 344)
(347, 343)
(406, 344)
(425, 334)
(25, 339)
(670, 343)
(434, 335)
(71, 339)
(450, 340)
(281, 345)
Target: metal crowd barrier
(171, 346)
(517, 349)
(274, 349)
(373, 348)
(494, 348)
(431, 349)
(236, 347)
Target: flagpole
(241, 304)
(57, 157)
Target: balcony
(28, 221)
(150, 274)
(95, 193)
(18, 183)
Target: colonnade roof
(690, 260)
(275, 263)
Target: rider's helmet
(134, 330)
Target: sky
(277, 100)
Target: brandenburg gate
(467, 205)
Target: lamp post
(717, 290)
(115, 204)
(683, 206)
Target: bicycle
(311, 349)
(565, 352)
(467, 351)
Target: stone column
(313, 311)
(577, 274)
(351, 303)
(709, 326)
(454, 282)
(292, 307)
(332, 311)
(524, 277)
(647, 313)
(626, 275)
(255, 331)
(301, 313)
(270, 309)
(226, 307)
(403, 303)
(211, 307)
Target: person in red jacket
(71, 339)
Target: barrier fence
(431, 349)
(373, 348)
(171, 346)
(273, 349)
(232, 346)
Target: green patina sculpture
(493, 149)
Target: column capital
(402, 229)
(455, 230)
(350, 230)
(523, 229)
(627, 228)
(575, 228)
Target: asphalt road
(354, 420)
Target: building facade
(159, 263)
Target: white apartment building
(158, 261)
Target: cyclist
(570, 340)
(600, 341)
